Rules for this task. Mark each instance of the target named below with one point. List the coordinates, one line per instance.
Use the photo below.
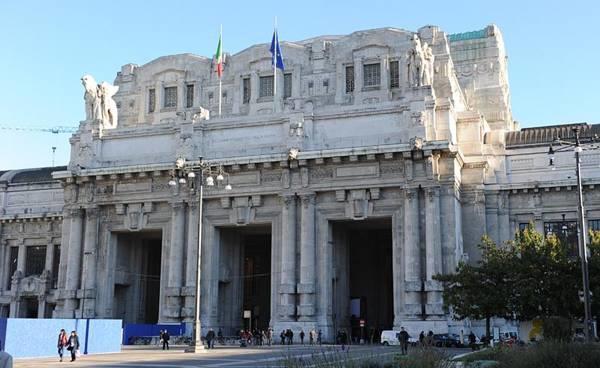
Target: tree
(545, 281)
(481, 291)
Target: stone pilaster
(74, 262)
(191, 262)
(433, 251)
(412, 254)
(306, 287)
(90, 251)
(176, 246)
(287, 289)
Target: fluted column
(433, 251)
(306, 287)
(287, 288)
(412, 253)
(73, 260)
(176, 246)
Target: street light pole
(581, 225)
(190, 171)
(197, 324)
(583, 244)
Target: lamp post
(193, 174)
(576, 146)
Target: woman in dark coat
(73, 345)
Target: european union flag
(276, 59)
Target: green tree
(481, 291)
(545, 281)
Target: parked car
(447, 340)
(390, 337)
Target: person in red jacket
(62, 343)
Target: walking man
(403, 337)
(73, 345)
(210, 338)
(302, 337)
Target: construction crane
(53, 130)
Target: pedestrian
(302, 337)
(165, 340)
(73, 345)
(403, 338)
(472, 341)
(311, 336)
(422, 338)
(282, 335)
(269, 336)
(210, 338)
(62, 343)
(430, 338)
(319, 336)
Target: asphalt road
(231, 357)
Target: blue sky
(46, 46)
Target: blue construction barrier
(32, 337)
(131, 331)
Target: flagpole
(220, 77)
(274, 62)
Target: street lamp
(576, 146)
(198, 170)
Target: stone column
(412, 253)
(3, 264)
(287, 288)
(433, 251)
(176, 247)
(90, 250)
(306, 287)
(191, 262)
(73, 262)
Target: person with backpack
(73, 345)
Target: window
(349, 79)
(13, 258)
(372, 75)
(151, 99)
(35, 260)
(287, 85)
(266, 86)
(170, 97)
(210, 98)
(394, 74)
(189, 95)
(523, 226)
(55, 265)
(566, 231)
(594, 225)
(246, 90)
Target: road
(230, 357)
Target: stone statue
(109, 106)
(99, 103)
(427, 74)
(92, 99)
(415, 63)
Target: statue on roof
(416, 63)
(99, 103)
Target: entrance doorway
(29, 308)
(137, 277)
(363, 282)
(245, 278)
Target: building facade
(375, 161)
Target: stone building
(378, 161)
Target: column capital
(74, 212)
(411, 193)
(92, 212)
(177, 205)
(288, 199)
(432, 192)
(308, 199)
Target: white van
(390, 337)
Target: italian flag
(219, 56)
